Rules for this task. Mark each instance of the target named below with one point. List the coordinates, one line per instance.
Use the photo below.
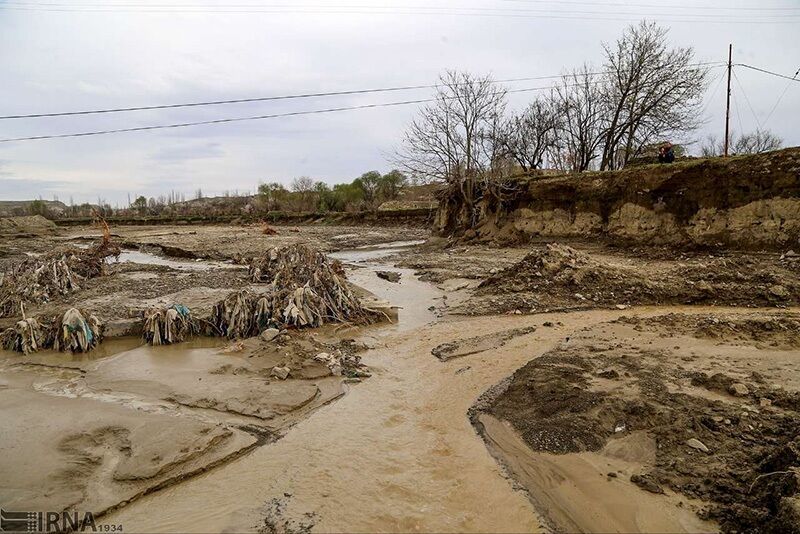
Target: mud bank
(750, 202)
(665, 423)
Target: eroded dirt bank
(748, 202)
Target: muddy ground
(613, 359)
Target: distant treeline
(304, 195)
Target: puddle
(148, 258)
(373, 252)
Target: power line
(791, 78)
(216, 121)
(285, 97)
(74, 5)
(747, 99)
(367, 10)
(240, 119)
(785, 89)
(673, 6)
(252, 118)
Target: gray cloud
(53, 61)
(184, 153)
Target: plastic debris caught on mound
(77, 333)
(73, 330)
(27, 336)
(40, 279)
(303, 288)
(243, 314)
(311, 288)
(168, 325)
(36, 280)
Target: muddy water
(417, 303)
(137, 256)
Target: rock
(336, 369)
(579, 296)
(622, 306)
(280, 372)
(389, 276)
(765, 402)
(324, 357)
(697, 444)
(494, 270)
(647, 483)
(607, 373)
(779, 291)
(454, 284)
(548, 324)
(269, 334)
(702, 285)
(738, 389)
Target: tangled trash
(168, 325)
(307, 288)
(39, 279)
(303, 288)
(74, 330)
(77, 333)
(36, 280)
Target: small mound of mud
(561, 277)
(780, 331)
(735, 447)
(28, 225)
(474, 345)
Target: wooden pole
(728, 106)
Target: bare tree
(529, 136)
(579, 101)
(754, 142)
(652, 92)
(453, 138)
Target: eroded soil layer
(675, 412)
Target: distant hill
(10, 208)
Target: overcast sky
(54, 59)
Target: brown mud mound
(474, 345)
(780, 331)
(724, 422)
(24, 226)
(559, 276)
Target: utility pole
(728, 106)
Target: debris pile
(36, 280)
(76, 331)
(266, 229)
(242, 314)
(26, 336)
(73, 330)
(165, 326)
(40, 279)
(560, 276)
(305, 289)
